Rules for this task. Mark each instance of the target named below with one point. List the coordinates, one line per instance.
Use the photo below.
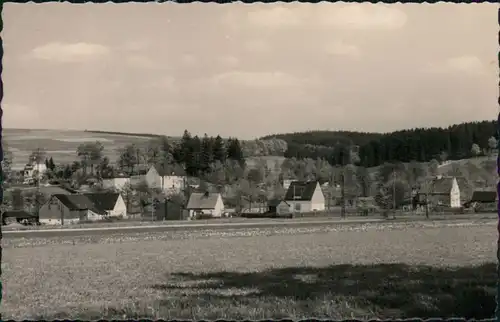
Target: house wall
(41, 168)
(115, 183)
(318, 199)
(216, 212)
(50, 214)
(120, 208)
(283, 208)
(219, 207)
(455, 195)
(172, 184)
(153, 179)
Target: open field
(387, 270)
(61, 144)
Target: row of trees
(423, 145)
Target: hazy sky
(248, 70)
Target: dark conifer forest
(455, 142)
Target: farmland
(61, 144)
(396, 270)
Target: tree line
(455, 142)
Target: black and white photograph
(249, 161)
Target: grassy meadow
(334, 271)
(61, 144)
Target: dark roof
(484, 196)
(199, 200)
(301, 190)
(78, 202)
(115, 176)
(162, 171)
(441, 185)
(17, 214)
(103, 200)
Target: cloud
(15, 115)
(470, 65)
(350, 16)
(65, 53)
(467, 64)
(339, 48)
(256, 79)
(189, 59)
(140, 61)
(165, 83)
(257, 46)
(228, 61)
(136, 45)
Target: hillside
(61, 145)
(454, 142)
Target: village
(158, 195)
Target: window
(297, 206)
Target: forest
(459, 141)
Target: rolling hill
(62, 144)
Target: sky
(248, 70)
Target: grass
(320, 217)
(61, 144)
(374, 271)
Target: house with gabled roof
(483, 200)
(303, 196)
(205, 203)
(159, 177)
(444, 191)
(62, 209)
(69, 209)
(111, 202)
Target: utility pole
(394, 190)
(153, 206)
(37, 206)
(342, 193)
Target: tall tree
(7, 163)
(364, 180)
(52, 165)
(492, 144)
(17, 199)
(207, 155)
(219, 150)
(234, 151)
(128, 158)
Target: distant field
(61, 144)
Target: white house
(62, 209)
(303, 197)
(116, 182)
(157, 177)
(205, 203)
(445, 191)
(30, 169)
(111, 203)
(69, 209)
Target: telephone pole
(37, 195)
